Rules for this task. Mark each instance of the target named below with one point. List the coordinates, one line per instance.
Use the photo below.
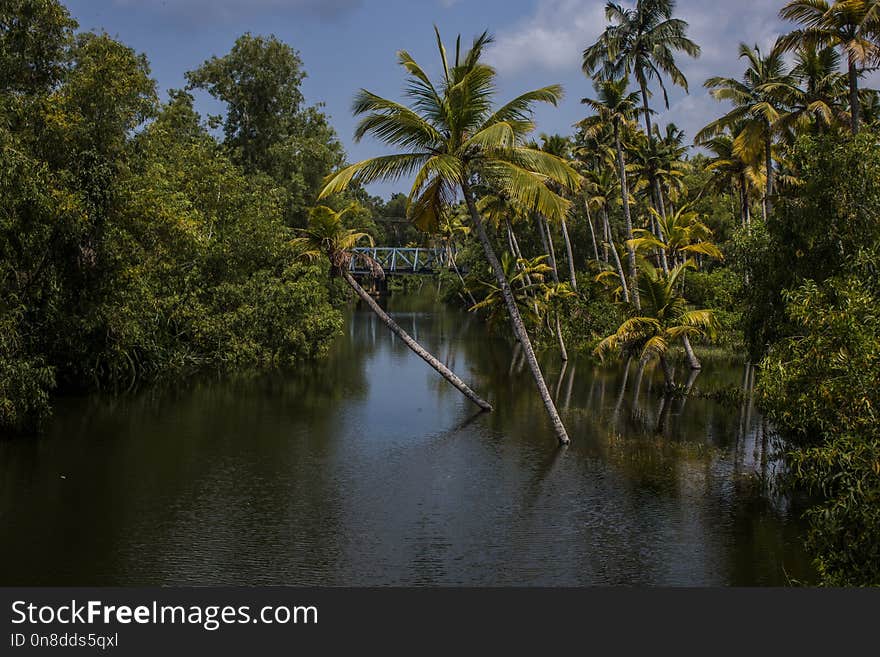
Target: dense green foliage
(131, 242)
(819, 379)
(134, 243)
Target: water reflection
(368, 469)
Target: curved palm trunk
(563, 351)
(592, 230)
(617, 262)
(624, 187)
(515, 319)
(693, 361)
(444, 371)
(570, 253)
(668, 373)
(855, 105)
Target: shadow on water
(367, 469)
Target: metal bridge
(400, 261)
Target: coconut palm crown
(451, 132)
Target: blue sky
(349, 44)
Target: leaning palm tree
(453, 137)
(665, 318)
(851, 25)
(327, 236)
(758, 106)
(615, 109)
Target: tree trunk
(617, 262)
(668, 374)
(514, 245)
(657, 193)
(855, 106)
(693, 361)
(592, 230)
(643, 86)
(549, 248)
(744, 202)
(661, 208)
(768, 156)
(563, 351)
(570, 253)
(515, 319)
(627, 215)
(444, 371)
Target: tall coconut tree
(641, 42)
(453, 136)
(615, 109)
(327, 236)
(853, 26)
(757, 108)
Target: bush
(820, 389)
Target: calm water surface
(367, 469)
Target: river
(368, 469)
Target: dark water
(367, 469)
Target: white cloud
(552, 39)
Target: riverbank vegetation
(139, 238)
(133, 243)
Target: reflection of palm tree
(326, 236)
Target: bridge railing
(399, 260)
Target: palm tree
(816, 95)
(730, 172)
(561, 147)
(452, 137)
(851, 25)
(686, 235)
(642, 42)
(327, 236)
(664, 318)
(757, 108)
(615, 108)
